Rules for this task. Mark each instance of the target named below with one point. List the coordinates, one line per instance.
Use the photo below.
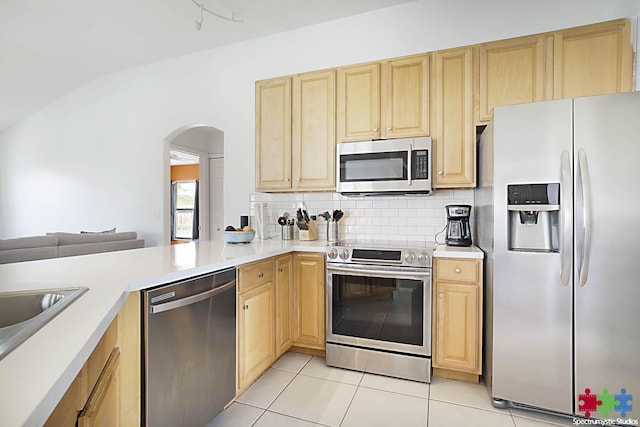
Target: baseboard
(456, 375)
(310, 351)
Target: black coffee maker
(458, 229)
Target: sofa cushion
(28, 242)
(98, 247)
(28, 254)
(77, 239)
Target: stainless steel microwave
(390, 166)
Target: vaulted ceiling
(48, 48)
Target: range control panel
(408, 257)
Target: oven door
(381, 308)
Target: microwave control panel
(420, 164)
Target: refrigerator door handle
(567, 226)
(586, 216)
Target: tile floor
(300, 390)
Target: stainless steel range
(379, 309)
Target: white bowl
(238, 236)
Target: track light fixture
(203, 8)
(198, 23)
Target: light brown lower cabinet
(309, 301)
(256, 331)
(256, 320)
(103, 406)
(284, 303)
(106, 391)
(280, 304)
(457, 319)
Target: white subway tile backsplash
(389, 212)
(443, 194)
(381, 220)
(400, 203)
(387, 218)
(408, 213)
(417, 203)
(380, 203)
(398, 221)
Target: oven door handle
(394, 274)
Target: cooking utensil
(282, 221)
(337, 215)
(302, 222)
(326, 215)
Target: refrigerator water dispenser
(533, 215)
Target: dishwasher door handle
(159, 308)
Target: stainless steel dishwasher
(190, 349)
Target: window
(185, 201)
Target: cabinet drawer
(98, 359)
(256, 274)
(458, 270)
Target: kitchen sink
(23, 313)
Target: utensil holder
(287, 232)
(332, 231)
(311, 233)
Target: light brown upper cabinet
(273, 134)
(388, 99)
(314, 133)
(510, 72)
(440, 94)
(405, 97)
(453, 129)
(295, 132)
(593, 60)
(358, 103)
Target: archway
(206, 143)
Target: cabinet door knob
(375, 129)
(261, 274)
(246, 307)
(457, 270)
(286, 180)
(439, 172)
(441, 295)
(280, 269)
(297, 179)
(389, 127)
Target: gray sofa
(56, 245)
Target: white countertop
(445, 251)
(34, 376)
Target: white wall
(62, 168)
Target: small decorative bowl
(238, 236)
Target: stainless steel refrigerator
(557, 212)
